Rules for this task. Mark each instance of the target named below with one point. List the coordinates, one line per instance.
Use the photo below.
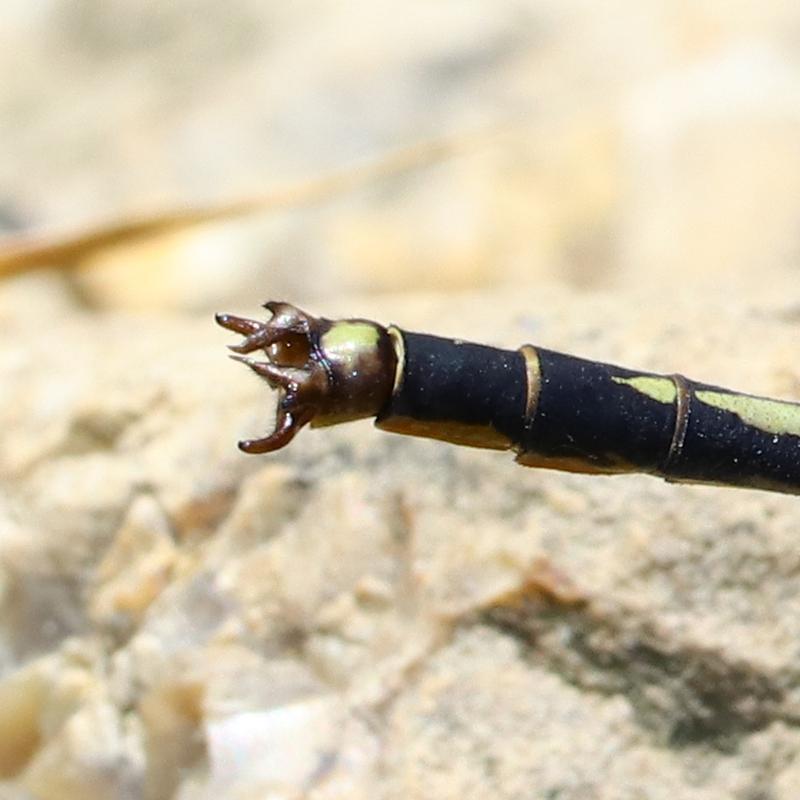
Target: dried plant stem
(19, 254)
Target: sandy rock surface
(361, 615)
(369, 616)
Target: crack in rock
(685, 694)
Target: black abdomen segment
(588, 418)
(458, 391)
(739, 440)
(562, 412)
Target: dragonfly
(551, 409)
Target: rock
(23, 696)
(135, 569)
(364, 615)
(96, 755)
(372, 615)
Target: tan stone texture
(363, 615)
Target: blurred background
(363, 615)
(188, 154)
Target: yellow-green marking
(350, 336)
(771, 416)
(660, 389)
